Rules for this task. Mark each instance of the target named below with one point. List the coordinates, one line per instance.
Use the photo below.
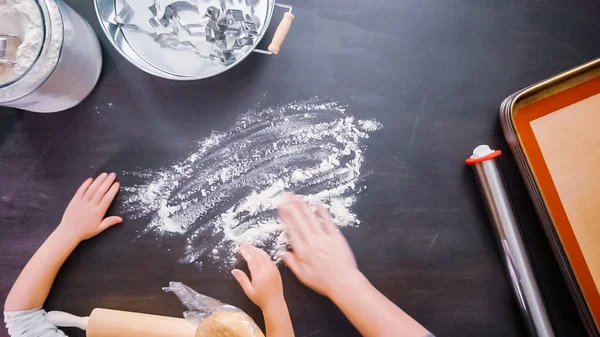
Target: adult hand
(321, 257)
(266, 288)
(84, 216)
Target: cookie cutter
(171, 13)
(229, 30)
(240, 43)
(226, 57)
(177, 9)
(233, 16)
(213, 33)
(169, 39)
(159, 7)
(121, 19)
(236, 29)
(212, 13)
(251, 25)
(8, 48)
(125, 14)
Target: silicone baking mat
(560, 135)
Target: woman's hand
(84, 216)
(266, 288)
(321, 257)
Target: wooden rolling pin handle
(64, 319)
(116, 323)
(281, 32)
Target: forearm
(277, 320)
(371, 312)
(33, 284)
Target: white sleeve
(30, 323)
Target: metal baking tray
(563, 91)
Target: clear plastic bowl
(65, 71)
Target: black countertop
(433, 72)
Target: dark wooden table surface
(433, 72)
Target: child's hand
(84, 216)
(266, 288)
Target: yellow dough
(228, 324)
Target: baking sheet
(558, 131)
(569, 140)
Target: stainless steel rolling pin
(505, 225)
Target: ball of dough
(228, 324)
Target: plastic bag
(213, 318)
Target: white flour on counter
(227, 191)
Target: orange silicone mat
(560, 135)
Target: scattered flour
(227, 191)
(369, 125)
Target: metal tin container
(150, 57)
(65, 71)
(541, 189)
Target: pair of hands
(321, 256)
(84, 219)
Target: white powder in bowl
(34, 71)
(23, 19)
(227, 191)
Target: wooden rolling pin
(115, 323)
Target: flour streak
(227, 191)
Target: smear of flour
(227, 191)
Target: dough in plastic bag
(213, 318)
